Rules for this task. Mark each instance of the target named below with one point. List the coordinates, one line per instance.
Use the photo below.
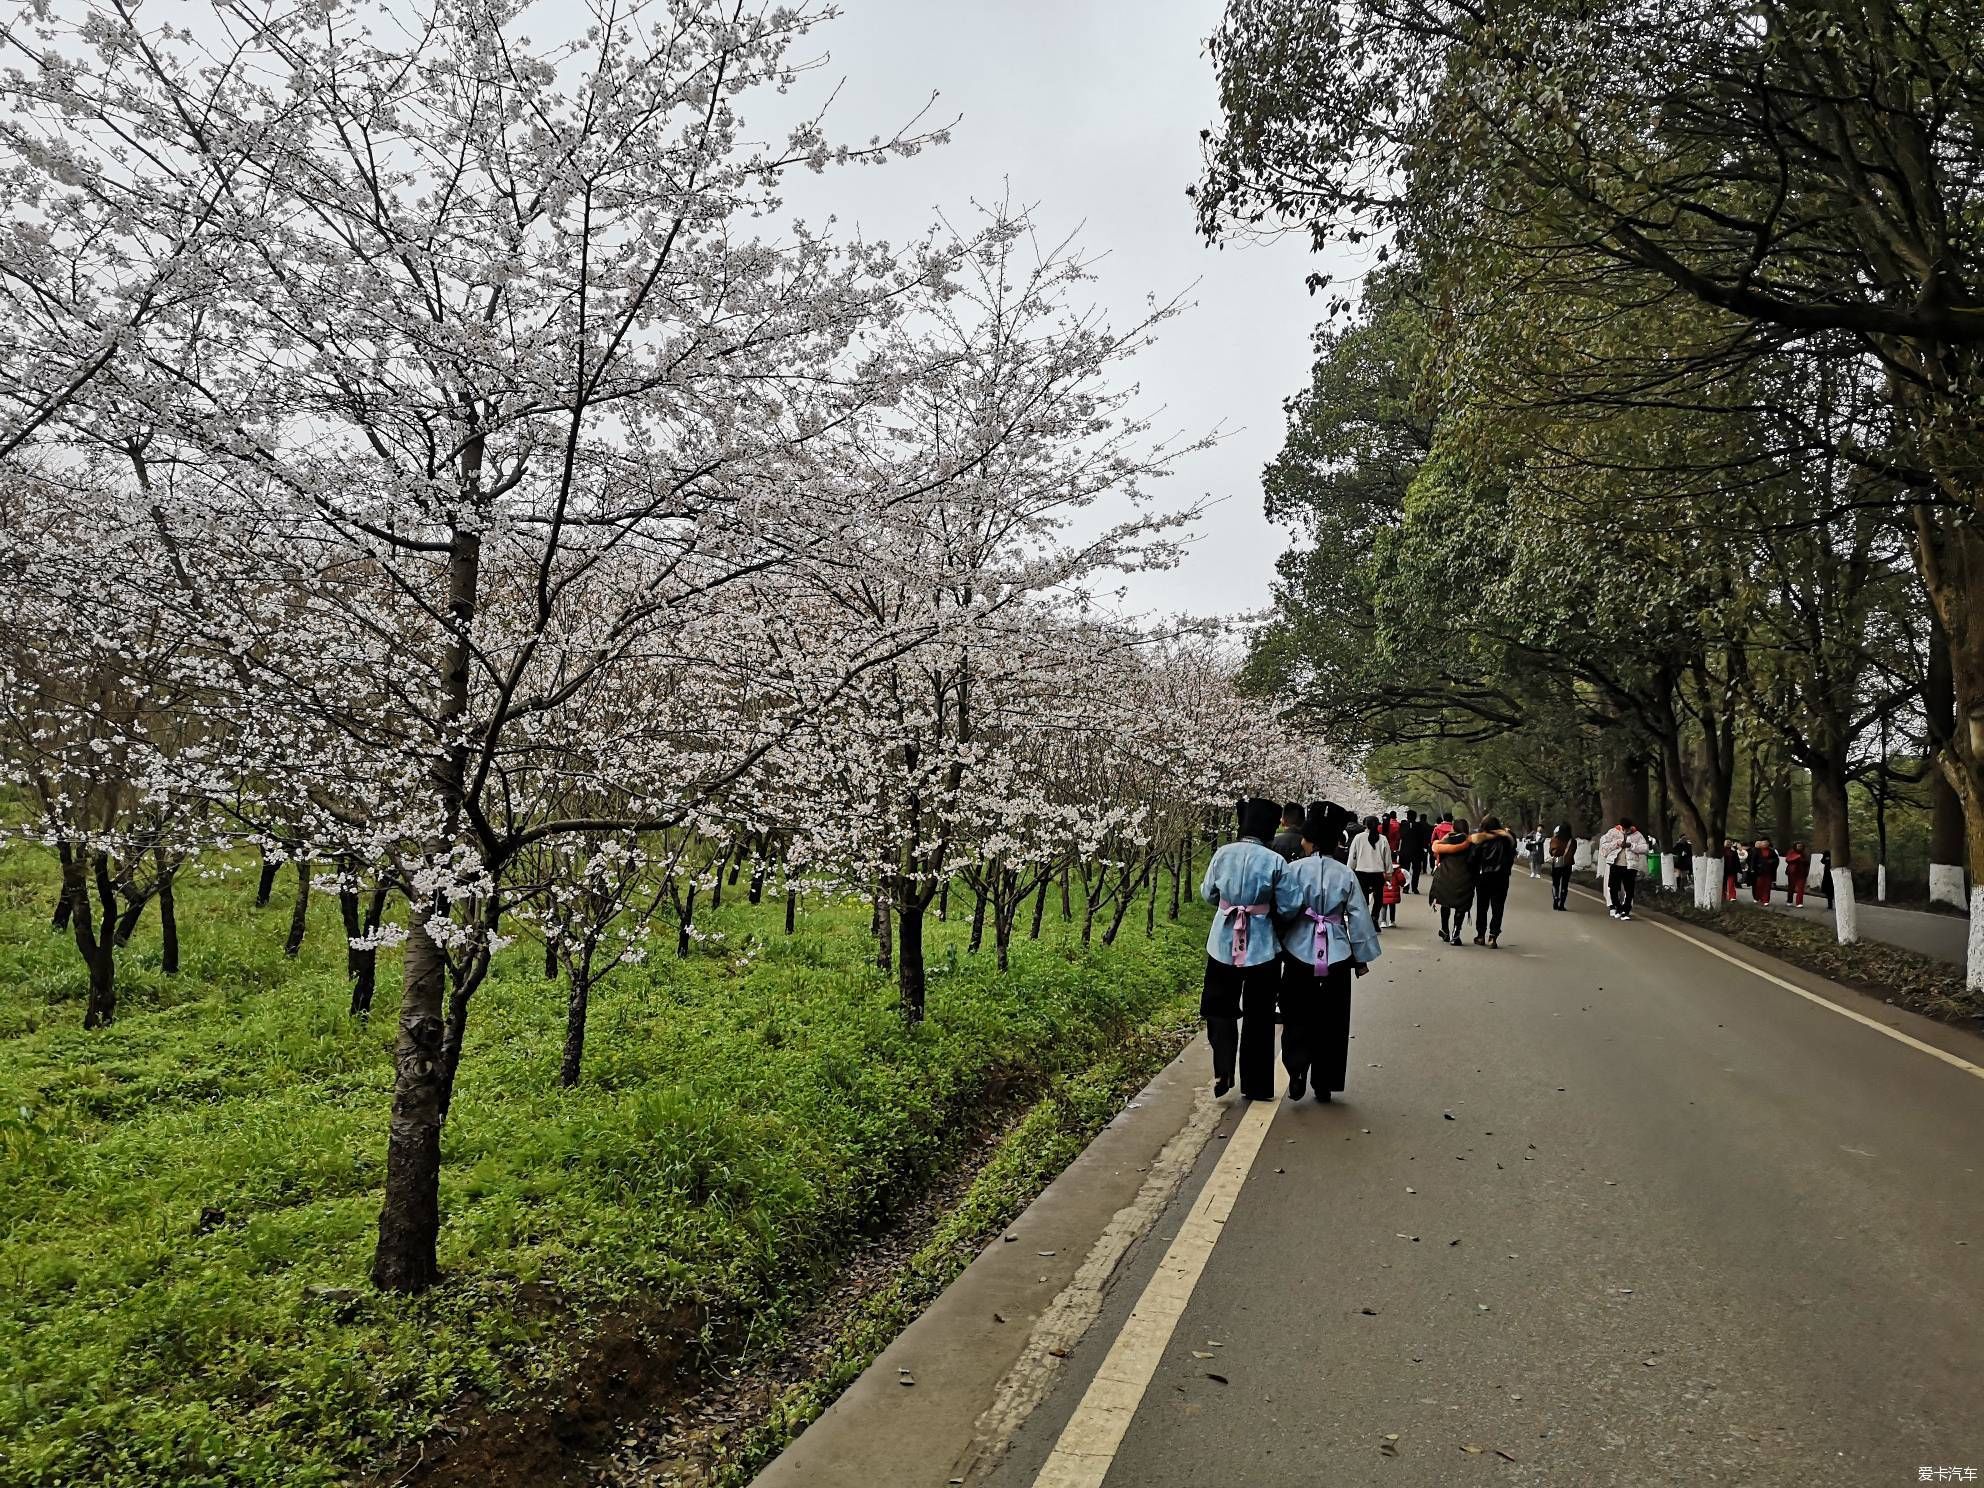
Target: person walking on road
(1623, 851)
(1415, 837)
(1684, 863)
(1533, 846)
(1563, 860)
(1394, 891)
(1494, 865)
(1371, 860)
(1326, 938)
(1242, 954)
(1288, 841)
(1453, 881)
(1763, 867)
(1797, 873)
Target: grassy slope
(744, 1113)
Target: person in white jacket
(1371, 859)
(1623, 851)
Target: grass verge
(187, 1199)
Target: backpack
(1496, 855)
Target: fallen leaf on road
(1447, 1115)
(1473, 1449)
(1412, 1190)
(1389, 1446)
(1453, 1242)
(1217, 1379)
(1368, 1311)
(998, 1317)
(904, 1377)
(1505, 1456)
(1047, 1252)
(1059, 1353)
(1201, 1354)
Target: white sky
(1091, 110)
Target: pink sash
(1243, 914)
(1332, 942)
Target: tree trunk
(978, 920)
(410, 1218)
(756, 892)
(1946, 846)
(95, 933)
(1150, 907)
(791, 910)
(1829, 804)
(266, 884)
(550, 956)
(1780, 814)
(1176, 880)
(575, 1029)
(299, 916)
(168, 921)
(1040, 906)
(127, 922)
(1067, 904)
(909, 963)
(687, 923)
(944, 902)
(716, 882)
(59, 920)
(885, 931)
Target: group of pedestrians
(1756, 867)
(1471, 871)
(1293, 925)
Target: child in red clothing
(1393, 891)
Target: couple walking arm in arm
(1286, 935)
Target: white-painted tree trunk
(1946, 884)
(1584, 853)
(1670, 871)
(1973, 966)
(1708, 882)
(1845, 913)
(1881, 882)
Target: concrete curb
(989, 1349)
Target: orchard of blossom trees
(432, 458)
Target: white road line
(1827, 1003)
(1088, 1443)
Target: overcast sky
(1091, 109)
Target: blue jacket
(1243, 872)
(1326, 886)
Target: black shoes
(1322, 1097)
(1296, 1086)
(1220, 1087)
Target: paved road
(1946, 937)
(1685, 1227)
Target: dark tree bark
(685, 922)
(266, 884)
(1040, 907)
(95, 934)
(168, 918)
(550, 957)
(410, 1218)
(59, 920)
(944, 902)
(885, 932)
(910, 979)
(299, 915)
(978, 919)
(1067, 903)
(128, 918)
(575, 1028)
(791, 910)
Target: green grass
(745, 1114)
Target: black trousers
(1373, 885)
(1560, 885)
(1315, 1031)
(1622, 882)
(1491, 896)
(1459, 917)
(1238, 1004)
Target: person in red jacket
(1763, 863)
(1797, 870)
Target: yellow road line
(1087, 1446)
(1956, 1061)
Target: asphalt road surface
(1684, 1227)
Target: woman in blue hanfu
(1326, 939)
(1243, 970)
